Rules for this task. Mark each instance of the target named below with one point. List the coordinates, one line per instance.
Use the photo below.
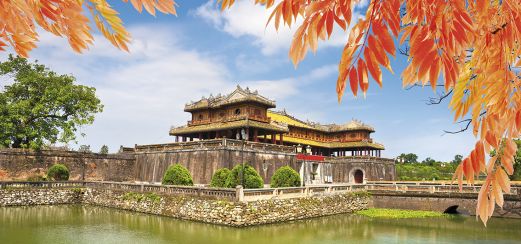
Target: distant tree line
(409, 168)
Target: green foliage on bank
(58, 172)
(422, 171)
(251, 179)
(219, 177)
(285, 177)
(176, 174)
(138, 197)
(398, 213)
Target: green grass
(398, 213)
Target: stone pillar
(239, 193)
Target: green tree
(249, 179)
(219, 177)
(429, 161)
(41, 106)
(176, 174)
(457, 159)
(104, 149)
(408, 158)
(58, 172)
(285, 177)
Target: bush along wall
(251, 179)
(58, 172)
(176, 174)
(285, 177)
(219, 177)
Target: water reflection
(88, 224)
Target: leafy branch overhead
(471, 46)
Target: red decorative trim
(310, 157)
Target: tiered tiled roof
(283, 117)
(238, 96)
(228, 125)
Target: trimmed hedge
(285, 177)
(219, 177)
(176, 174)
(58, 172)
(252, 179)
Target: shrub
(285, 177)
(219, 177)
(34, 178)
(252, 179)
(176, 174)
(58, 172)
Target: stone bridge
(439, 197)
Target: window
(237, 111)
(257, 112)
(221, 114)
(200, 117)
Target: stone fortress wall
(19, 164)
(147, 163)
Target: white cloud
(245, 19)
(143, 91)
(285, 88)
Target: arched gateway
(359, 176)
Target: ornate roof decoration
(238, 96)
(283, 117)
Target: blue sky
(177, 59)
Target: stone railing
(297, 192)
(430, 187)
(217, 193)
(222, 143)
(40, 184)
(249, 195)
(229, 119)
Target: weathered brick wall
(17, 164)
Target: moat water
(88, 224)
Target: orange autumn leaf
(19, 21)
(471, 47)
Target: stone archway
(357, 176)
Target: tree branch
(467, 121)
(439, 99)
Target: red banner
(310, 157)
